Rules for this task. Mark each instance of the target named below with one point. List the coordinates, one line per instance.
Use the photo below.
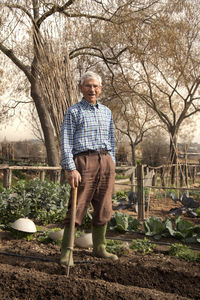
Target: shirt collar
(87, 104)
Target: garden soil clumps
(33, 272)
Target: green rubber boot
(65, 252)
(99, 243)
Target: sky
(18, 131)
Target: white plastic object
(56, 235)
(84, 241)
(25, 225)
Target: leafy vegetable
(186, 230)
(133, 224)
(43, 201)
(123, 222)
(183, 229)
(119, 195)
(144, 246)
(155, 227)
(115, 247)
(183, 251)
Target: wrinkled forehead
(91, 80)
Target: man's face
(91, 90)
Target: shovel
(72, 226)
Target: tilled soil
(33, 272)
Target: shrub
(43, 201)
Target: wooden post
(186, 174)
(132, 180)
(140, 192)
(194, 173)
(181, 175)
(42, 175)
(7, 178)
(147, 170)
(154, 179)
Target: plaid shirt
(86, 127)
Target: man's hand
(74, 178)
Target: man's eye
(92, 86)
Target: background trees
(146, 52)
(39, 37)
(155, 149)
(161, 66)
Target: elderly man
(87, 153)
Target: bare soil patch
(33, 272)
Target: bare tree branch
(9, 53)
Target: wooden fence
(7, 173)
(143, 176)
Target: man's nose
(92, 88)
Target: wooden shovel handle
(73, 218)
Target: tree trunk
(46, 124)
(133, 154)
(162, 176)
(173, 156)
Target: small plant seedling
(144, 246)
(19, 235)
(115, 247)
(184, 252)
(45, 239)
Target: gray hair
(90, 74)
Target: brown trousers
(96, 188)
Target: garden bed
(33, 272)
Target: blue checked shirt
(86, 127)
